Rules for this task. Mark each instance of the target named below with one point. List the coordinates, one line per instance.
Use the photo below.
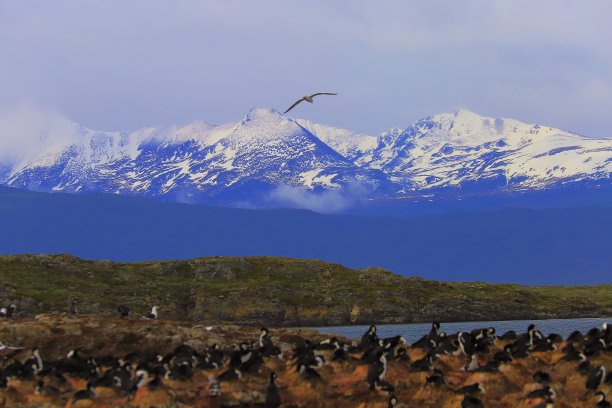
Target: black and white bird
(369, 339)
(602, 402)
(435, 329)
(466, 343)
(229, 375)
(545, 392)
(7, 312)
(424, 364)
(306, 372)
(153, 314)
(308, 98)
(267, 348)
(377, 370)
(595, 378)
(340, 352)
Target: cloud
(328, 201)
(324, 201)
(28, 133)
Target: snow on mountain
(347, 143)
(265, 150)
(451, 150)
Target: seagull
(308, 98)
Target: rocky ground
(342, 384)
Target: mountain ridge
(460, 152)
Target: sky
(122, 64)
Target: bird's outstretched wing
(323, 93)
(293, 106)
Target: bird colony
(146, 361)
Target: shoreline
(466, 322)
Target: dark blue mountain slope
(545, 246)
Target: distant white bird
(308, 98)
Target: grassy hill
(279, 291)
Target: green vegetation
(278, 291)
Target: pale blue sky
(119, 64)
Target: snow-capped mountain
(194, 161)
(453, 150)
(461, 151)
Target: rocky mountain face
(459, 152)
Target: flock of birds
(479, 351)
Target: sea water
(413, 332)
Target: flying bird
(308, 98)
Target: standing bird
(273, 398)
(369, 339)
(595, 377)
(267, 349)
(377, 370)
(308, 98)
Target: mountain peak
(459, 116)
(263, 113)
(465, 126)
(465, 114)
